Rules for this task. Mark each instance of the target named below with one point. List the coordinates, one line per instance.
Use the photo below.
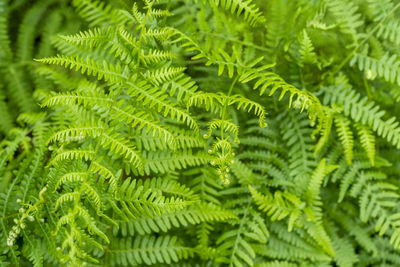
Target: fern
(199, 133)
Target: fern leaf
(245, 8)
(345, 136)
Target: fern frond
(297, 98)
(345, 136)
(149, 250)
(367, 113)
(279, 206)
(247, 9)
(140, 120)
(162, 161)
(73, 154)
(136, 200)
(347, 17)
(121, 146)
(90, 38)
(106, 71)
(99, 13)
(387, 67)
(154, 98)
(390, 31)
(162, 75)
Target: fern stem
(367, 89)
(225, 103)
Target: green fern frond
(162, 75)
(99, 13)
(162, 162)
(367, 140)
(367, 113)
(149, 250)
(73, 154)
(246, 8)
(104, 70)
(279, 206)
(121, 146)
(136, 200)
(90, 38)
(297, 98)
(347, 17)
(386, 67)
(345, 136)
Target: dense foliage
(199, 133)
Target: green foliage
(199, 133)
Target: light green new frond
(210, 101)
(249, 105)
(246, 8)
(148, 250)
(91, 193)
(71, 177)
(345, 136)
(226, 126)
(82, 212)
(128, 38)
